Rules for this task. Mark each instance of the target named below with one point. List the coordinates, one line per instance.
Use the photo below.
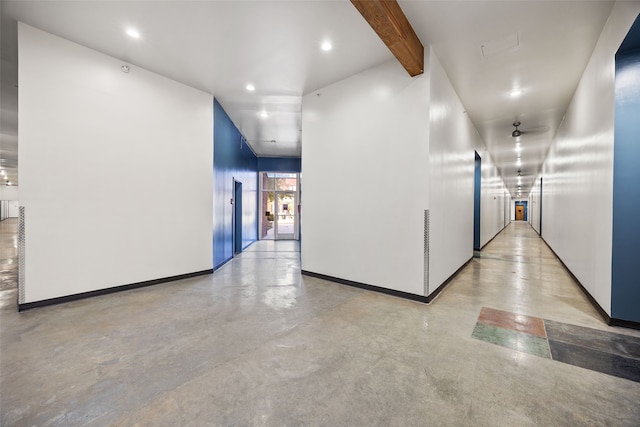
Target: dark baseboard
(624, 323)
(83, 295)
(222, 264)
(591, 299)
(490, 240)
(440, 288)
(608, 319)
(395, 293)
(382, 290)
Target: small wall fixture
(125, 68)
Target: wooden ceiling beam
(392, 26)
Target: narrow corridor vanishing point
(258, 344)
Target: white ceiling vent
(504, 44)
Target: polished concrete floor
(257, 344)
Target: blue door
(476, 202)
(237, 218)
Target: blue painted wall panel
(625, 280)
(477, 185)
(232, 160)
(279, 164)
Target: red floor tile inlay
(516, 322)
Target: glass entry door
(279, 204)
(286, 218)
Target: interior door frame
(477, 196)
(296, 215)
(236, 217)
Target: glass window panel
(268, 181)
(287, 183)
(268, 210)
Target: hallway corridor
(257, 344)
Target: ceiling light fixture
(264, 114)
(515, 93)
(133, 33)
(326, 46)
(250, 87)
(516, 133)
(519, 162)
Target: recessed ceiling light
(264, 114)
(3, 172)
(518, 148)
(515, 93)
(519, 162)
(250, 87)
(326, 46)
(133, 33)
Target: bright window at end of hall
(286, 181)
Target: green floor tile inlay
(519, 341)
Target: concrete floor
(257, 344)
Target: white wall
(365, 166)
(534, 205)
(492, 198)
(452, 139)
(14, 209)
(9, 192)
(379, 148)
(577, 196)
(104, 158)
(9, 195)
(507, 207)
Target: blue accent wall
(232, 160)
(625, 278)
(632, 39)
(279, 164)
(477, 186)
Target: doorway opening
(280, 213)
(540, 206)
(521, 211)
(237, 217)
(477, 177)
